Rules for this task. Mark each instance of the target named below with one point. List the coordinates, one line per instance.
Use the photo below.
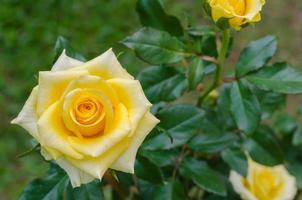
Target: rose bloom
(239, 12)
(264, 183)
(88, 117)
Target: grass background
(29, 29)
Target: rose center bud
(239, 6)
(84, 113)
(267, 185)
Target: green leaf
(124, 180)
(212, 143)
(284, 123)
(156, 47)
(204, 40)
(48, 188)
(161, 158)
(162, 83)
(202, 31)
(256, 54)
(61, 44)
(208, 45)
(89, 191)
(236, 159)
(152, 14)
(264, 148)
(195, 73)
(146, 190)
(280, 78)
(297, 138)
(172, 190)
(244, 107)
(203, 176)
(148, 171)
(269, 101)
(181, 121)
(224, 115)
(210, 124)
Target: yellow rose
(264, 183)
(239, 12)
(88, 117)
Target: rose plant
(183, 128)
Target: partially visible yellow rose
(264, 183)
(88, 117)
(239, 12)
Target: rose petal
(93, 82)
(65, 62)
(28, 118)
(53, 133)
(237, 182)
(96, 167)
(52, 85)
(76, 176)
(221, 8)
(125, 163)
(131, 94)
(290, 189)
(105, 66)
(252, 9)
(257, 18)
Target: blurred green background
(28, 32)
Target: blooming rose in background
(88, 117)
(264, 183)
(239, 12)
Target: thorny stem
(179, 160)
(220, 62)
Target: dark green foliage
(161, 158)
(270, 102)
(202, 175)
(212, 143)
(195, 73)
(244, 107)
(152, 14)
(263, 147)
(148, 171)
(156, 47)
(171, 190)
(181, 122)
(162, 83)
(48, 188)
(256, 54)
(284, 124)
(279, 77)
(236, 159)
(89, 191)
